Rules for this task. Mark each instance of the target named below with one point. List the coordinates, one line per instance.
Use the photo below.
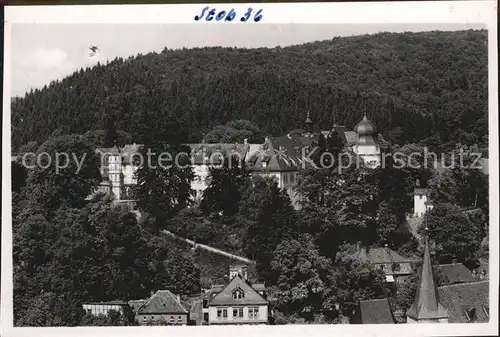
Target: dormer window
(470, 314)
(238, 294)
(486, 310)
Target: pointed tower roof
(365, 127)
(309, 123)
(308, 119)
(426, 305)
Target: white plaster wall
(212, 315)
(419, 207)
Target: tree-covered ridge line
(428, 87)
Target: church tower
(366, 146)
(115, 172)
(308, 123)
(426, 307)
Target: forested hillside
(417, 87)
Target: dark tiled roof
(225, 296)
(163, 301)
(458, 297)
(426, 304)
(351, 138)
(381, 255)
(200, 151)
(456, 273)
(281, 153)
(376, 312)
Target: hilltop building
(278, 157)
(367, 147)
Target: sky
(41, 53)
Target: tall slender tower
(115, 172)
(426, 307)
(367, 147)
(308, 123)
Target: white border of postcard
(462, 12)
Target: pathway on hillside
(208, 248)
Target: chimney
(245, 141)
(178, 298)
(454, 261)
(151, 293)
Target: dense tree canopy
(429, 87)
(454, 234)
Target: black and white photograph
(250, 173)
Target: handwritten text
(210, 14)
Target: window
(285, 178)
(238, 312)
(172, 319)
(292, 178)
(179, 319)
(238, 294)
(470, 313)
(144, 318)
(221, 313)
(152, 318)
(253, 312)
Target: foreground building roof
(466, 302)
(163, 301)
(376, 312)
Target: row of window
(171, 320)
(114, 177)
(253, 312)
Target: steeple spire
(426, 307)
(308, 122)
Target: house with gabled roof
(163, 308)
(237, 302)
(396, 268)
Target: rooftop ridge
(463, 284)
